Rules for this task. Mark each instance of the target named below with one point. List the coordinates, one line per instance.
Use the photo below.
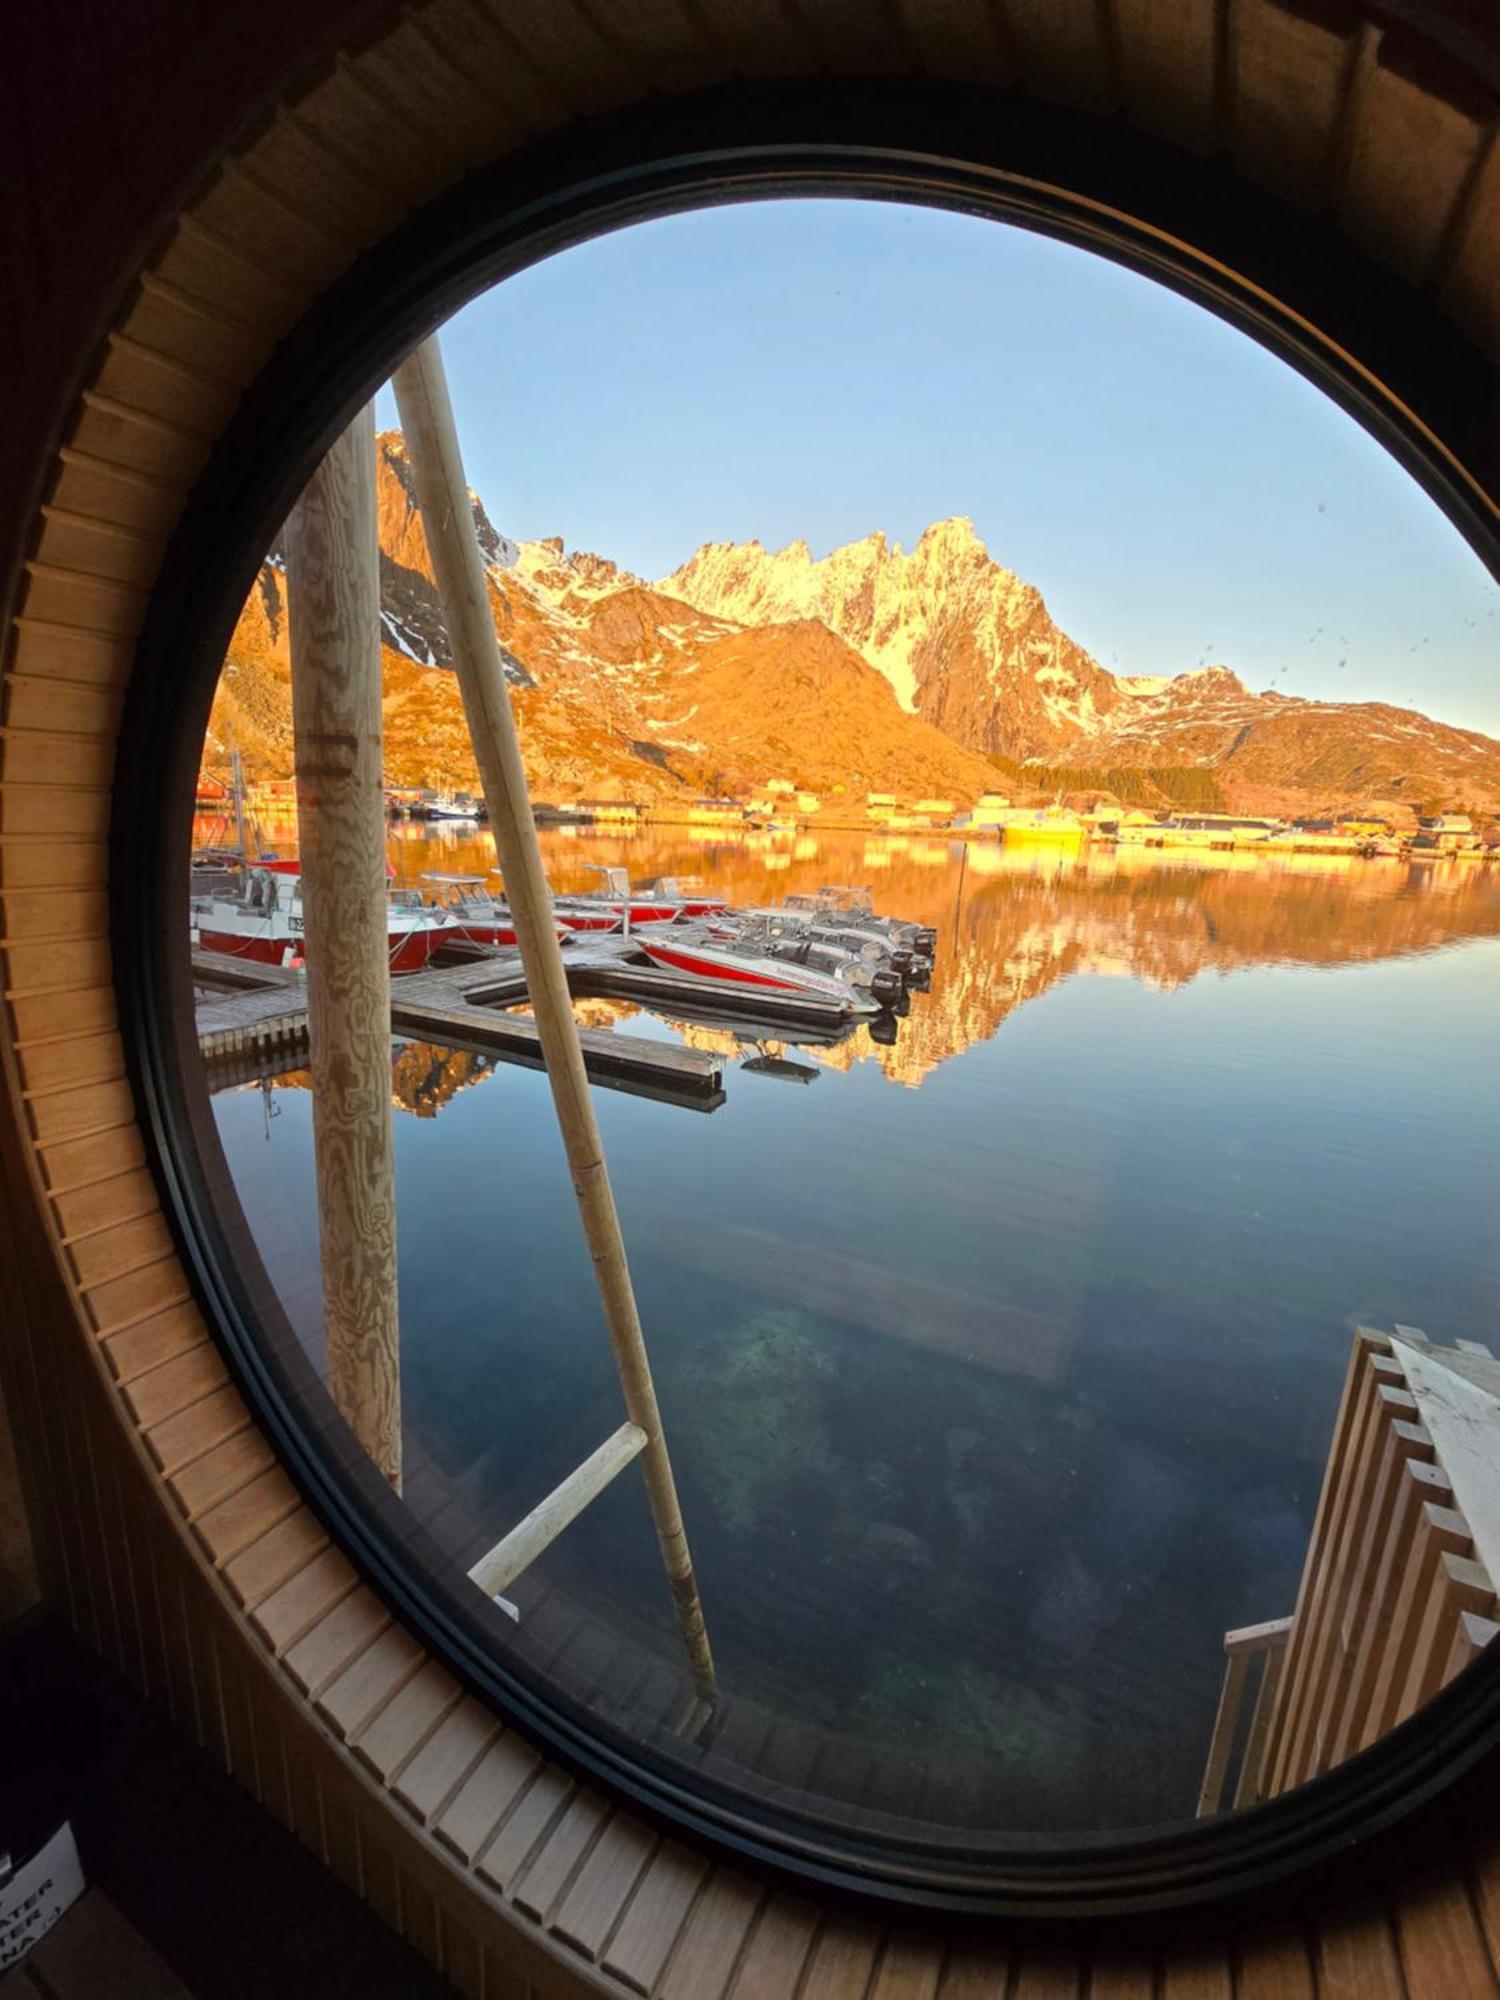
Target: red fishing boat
(606, 909)
(265, 922)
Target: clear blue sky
(823, 369)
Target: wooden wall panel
(1411, 159)
(161, 1524)
(1290, 77)
(1170, 60)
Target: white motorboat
(850, 906)
(752, 955)
(477, 916)
(866, 940)
(265, 922)
(607, 909)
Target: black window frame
(1372, 343)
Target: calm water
(998, 1363)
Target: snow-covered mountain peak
(963, 641)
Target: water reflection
(994, 1401)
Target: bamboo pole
(333, 605)
(437, 467)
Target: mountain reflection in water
(993, 1401)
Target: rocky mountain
(621, 690)
(964, 643)
(970, 647)
(869, 669)
(1265, 746)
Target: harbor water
(999, 1347)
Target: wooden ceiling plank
(1197, 1973)
(431, 1778)
(646, 1933)
(776, 1953)
(178, 1442)
(360, 1692)
(568, 49)
(1411, 157)
(339, 1637)
(1356, 1955)
(538, 1886)
(243, 1517)
(467, 35)
(1443, 1950)
(765, 38)
(595, 1899)
(957, 38)
(842, 1960)
(1290, 76)
(1470, 284)
(1062, 52)
(1169, 51)
(276, 1558)
(1121, 1976)
(708, 1947)
(222, 1471)
(975, 1972)
(489, 1790)
(414, 69)
(670, 42)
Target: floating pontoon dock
(251, 1010)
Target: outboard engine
(887, 986)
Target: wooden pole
(333, 604)
(546, 1521)
(237, 785)
(437, 467)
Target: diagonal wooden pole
(333, 607)
(443, 496)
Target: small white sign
(36, 1896)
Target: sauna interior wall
(162, 1528)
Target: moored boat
(607, 909)
(476, 916)
(851, 907)
(1049, 826)
(753, 955)
(867, 940)
(265, 922)
(695, 901)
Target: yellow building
(611, 809)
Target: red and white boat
(695, 902)
(755, 957)
(606, 909)
(265, 922)
(477, 917)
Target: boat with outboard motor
(608, 908)
(847, 906)
(867, 940)
(754, 954)
(695, 900)
(477, 916)
(265, 922)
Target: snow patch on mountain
(960, 638)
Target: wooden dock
(258, 1013)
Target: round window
(1016, 780)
